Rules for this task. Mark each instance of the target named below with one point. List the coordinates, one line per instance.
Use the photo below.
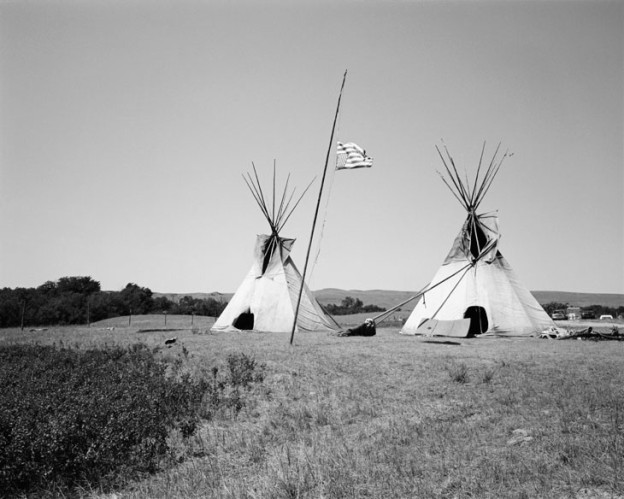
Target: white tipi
(475, 291)
(267, 297)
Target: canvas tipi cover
(475, 282)
(267, 298)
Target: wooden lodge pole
(318, 204)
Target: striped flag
(351, 156)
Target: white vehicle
(606, 317)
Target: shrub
(244, 370)
(69, 417)
(225, 389)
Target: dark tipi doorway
(478, 320)
(244, 321)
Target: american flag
(351, 156)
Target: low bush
(70, 417)
(243, 370)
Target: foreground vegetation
(71, 418)
(390, 416)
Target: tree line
(350, 305)
(595, 310)
(80, 300)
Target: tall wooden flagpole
(318, 204)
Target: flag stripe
(351, 156)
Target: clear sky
(125, 128)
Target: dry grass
(392, 416)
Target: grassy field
(389, 416)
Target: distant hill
(389, 298)
(580, 299)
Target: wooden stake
(23, 310)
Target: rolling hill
(389, 298)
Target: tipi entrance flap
(311, 316)
(432, 327)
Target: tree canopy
(80, 300)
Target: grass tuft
(487, 375)
(458, 372)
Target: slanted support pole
(318, 204)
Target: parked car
(606, 317)
(559, 315)
(588, 314)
